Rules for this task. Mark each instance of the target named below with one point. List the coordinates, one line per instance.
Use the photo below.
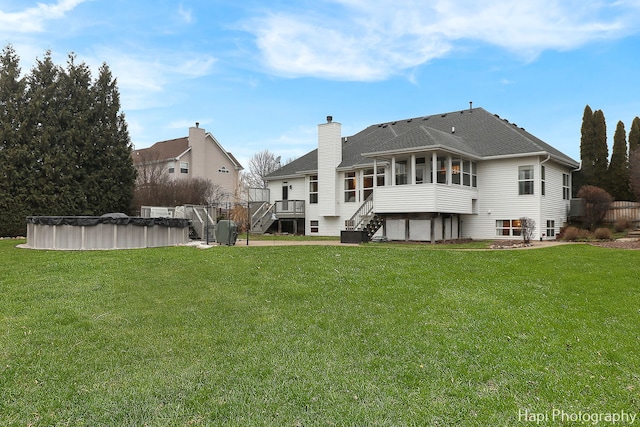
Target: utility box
(226, 233)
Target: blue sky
(262, 74)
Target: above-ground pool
(106, 232)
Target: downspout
(540, 204)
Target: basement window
(508, 227)
(314, 225)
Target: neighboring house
(464, 174)
(199, 155)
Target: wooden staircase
(364, 219)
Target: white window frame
(526, 186)
(313, 189)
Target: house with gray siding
(462, 174)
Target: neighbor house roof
(162, 151)
(473, 132)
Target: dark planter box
(358, 236)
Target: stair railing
(361, 215)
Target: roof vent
(444, 115)
(394, 123)
(409, 121)
(329, 119)
(426, 118)
(470, 106)
(197, 124)
(453, 129)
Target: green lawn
(317, 335)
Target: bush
(584, 234)
(622, 224)
(602, 234)
(570, 234)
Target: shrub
(602, 234)
(622, 224)
(570, 233)
(584, 234)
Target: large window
(349, 186)
(401, 172)
(367, 182)
(380, 176)
(423, 171)
(566, 186)
(525, 180)
(508, 227)
(442, 170)
(455, 171)
(313, 189)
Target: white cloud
(185, 14)
(372, 40)
(32, 19)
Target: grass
(372, 335)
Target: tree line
(64, 144)
(618, 175)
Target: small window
(566, 187)
(172, 167)
(525, 180)
(313, 189)
(542, 181)
(314, 223)
(184, 167)
(551, 228)
(223, 170)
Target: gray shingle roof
(478, 134)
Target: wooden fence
(623, 210)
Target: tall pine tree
(618, 173)
(14, 171)
(64, 143)
(600, 150)
(634, 135)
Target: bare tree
(261, 164)
(527, 227)
(596, 204)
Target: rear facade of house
(458, 175)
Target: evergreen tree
(113, 177)
(587, 155)
(13, 151)
(634, 135)
(618, 173)
(600, 150)
(64, 143)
